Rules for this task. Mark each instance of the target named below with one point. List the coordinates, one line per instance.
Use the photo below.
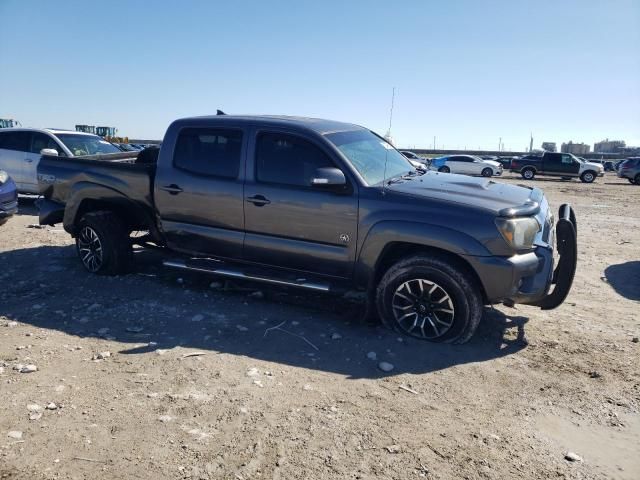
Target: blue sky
(467, 72)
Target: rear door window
(288, 160)
(209, 151)
(18, 141)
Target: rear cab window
(209, 151)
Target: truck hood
(496, 197)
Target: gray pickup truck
(319, 205)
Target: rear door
(289, 223)
(455, 164)
(14, 146)
(200, 195)
(37, 142)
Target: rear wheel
(637, 179)
(103, 243)
(588, 177)
(487, 172)
(429, 298)
(444, 169)
(528, 173)
(631, 180)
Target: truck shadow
(158, 309)
(625, 279)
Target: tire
(444, 169)
(631, 180)
(637, 179)
(103, 244)
(528, 173)
(588, 177)
(487, 172)
(434, 287)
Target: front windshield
(368, 153)
(86, 144)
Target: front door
(561, 164)
(289, 223)
(37, 142)
(199, 193)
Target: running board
(225, 271)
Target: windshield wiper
(404, 176)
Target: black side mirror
(328, 177)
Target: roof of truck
(319, 125)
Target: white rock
(52, 406)
(336, 336)
(35, 415)
(101, 355)
(15, 434)
(197, 318)
(372, 356)
(385, 366)
(243, 410)
(258, 383)
(307, 387)
(28, 369)
(1, 370)
(165, 418)
(573, 457)
(253, 372)
(34, 407)
(12, 324)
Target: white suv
(20, 150)
(470, 165)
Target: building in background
(609, 146)
(549, 146)
(575, 148)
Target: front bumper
(527, 278)
(8, 201)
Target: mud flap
(567, 245)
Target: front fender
(385, 233)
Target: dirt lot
(305, 401)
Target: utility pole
(434, 142)
(500, 144)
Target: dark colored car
(564, 165)
(323, 206)
(8, 197)
(630, 169)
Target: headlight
(3, 177)
(519, 233)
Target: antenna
(389, 139)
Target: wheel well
(396, 251)
(528, 167)
(131, 217)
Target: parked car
(323, 206)
(556, 164)
(127, 147)
(630, 169)
(8, 197)
(470, 165)
(412, 156)
(20, 150)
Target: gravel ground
(160, 375)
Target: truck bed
(70, 181)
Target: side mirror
(49, 151)
(328, 177)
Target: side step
(215, 267)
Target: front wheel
(588, 177)
(528, 173)
(103, 243)
(487, 172)
(429, 298)
(444, 169)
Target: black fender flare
(385, 233)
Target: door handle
(259, 200)
(173, 189)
